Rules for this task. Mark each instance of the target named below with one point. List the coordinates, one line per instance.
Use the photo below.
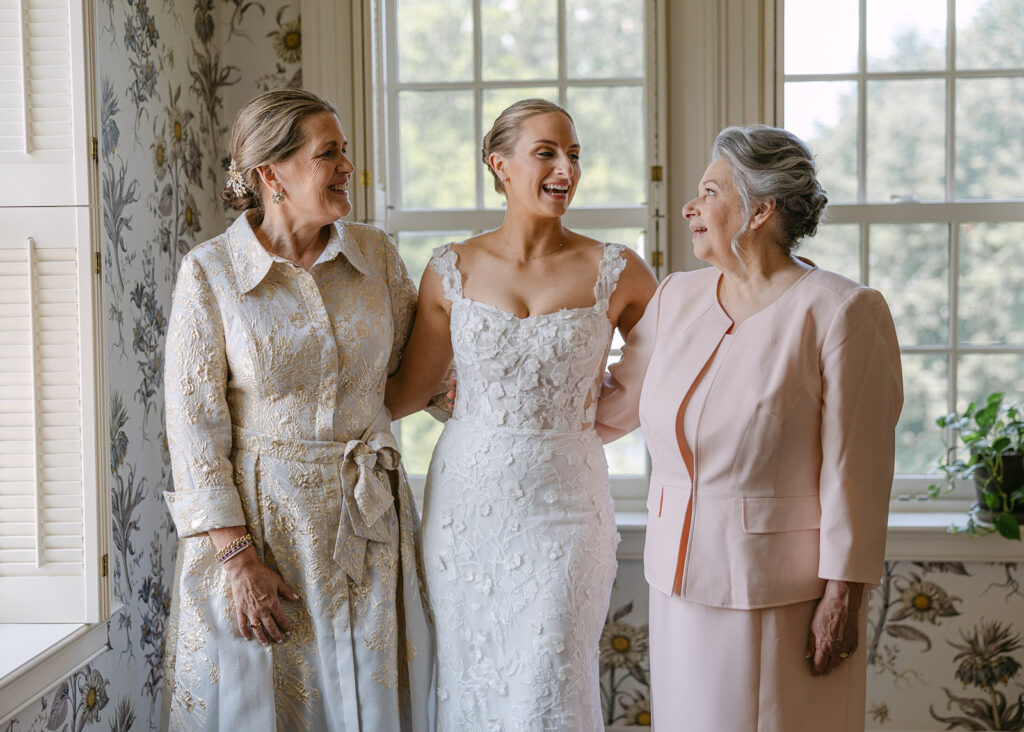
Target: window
(448, 69)
(53, 505)
(913, 111)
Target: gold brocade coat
(275, 419)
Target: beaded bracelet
(238, 546)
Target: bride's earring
(277, 197)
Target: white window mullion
(478, 96)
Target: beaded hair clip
(235, 179)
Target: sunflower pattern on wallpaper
(625, 670)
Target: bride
(518, 525)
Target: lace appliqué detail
(519, 530)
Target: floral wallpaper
(945, 640)
(170, 76)
(945, 645)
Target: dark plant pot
(1013, 478)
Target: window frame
(628, 490)
(48, 661)
(712, 40)
(911, 491)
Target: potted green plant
(989, 449)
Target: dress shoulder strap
(445, 262)
(612, 264)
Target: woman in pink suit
(768, 391)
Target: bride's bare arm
(637, 284)
(428, 354)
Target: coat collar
(252, 262)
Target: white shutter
(44, 146)
(49, 533)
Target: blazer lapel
(674, 368)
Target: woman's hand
(255, 589)
(833, 635)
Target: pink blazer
(794, 446)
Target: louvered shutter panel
(44, 146)
(48, 486)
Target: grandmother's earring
(277, 197)
(506, 179)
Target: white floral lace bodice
(529, 373)
(518, 523)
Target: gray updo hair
(772, 164)
(268, 129)
(505, 131)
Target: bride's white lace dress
(519, 531)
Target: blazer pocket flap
(784, 513)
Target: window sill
(912, 535)
(38, 657)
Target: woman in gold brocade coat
(298, 591)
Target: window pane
(631, 236)
(906, 140)
(417, 246)
(909, 35)
(909, 265)
(419, 25)
(988, 34)
(419, 433)
(495, 101)
(919, 441)
(627, 455)
(610, 126)
(604, 38)
(519, 39)
(991, 299)
(989, 138)
(824, 115)
(836, 247)
(437, 150)
(821, 37)
(981, 374)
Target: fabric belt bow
(366, 487)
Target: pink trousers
(721, 670)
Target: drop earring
(277, 197)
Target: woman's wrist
(849, 593)
(241, 562)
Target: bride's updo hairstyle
(772, 164)
(506, 128)
(268, 129)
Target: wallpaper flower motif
(625, 670)
(287, 41)
(903, 603)
(164, 68)
(986, 663)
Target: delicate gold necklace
(536, 256)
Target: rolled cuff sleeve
(862, 398)
(198, 511)
(198, 420)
